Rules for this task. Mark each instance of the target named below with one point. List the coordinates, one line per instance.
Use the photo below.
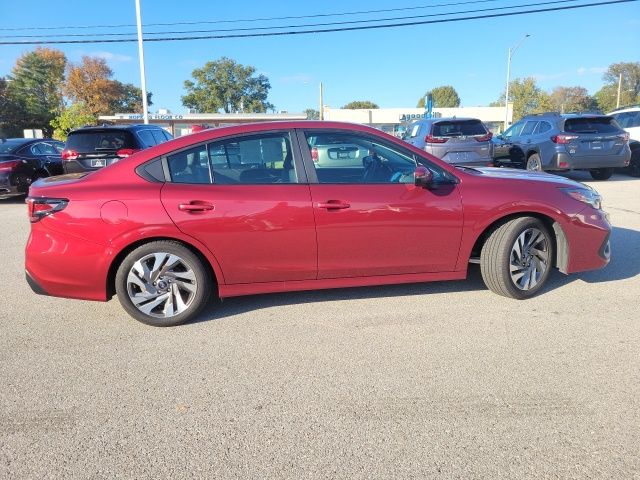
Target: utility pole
(143, 82)
(619, 89)
(321, 103)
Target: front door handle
(196, 206)
(334, 205)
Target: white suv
(629, 119)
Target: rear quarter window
(591, 125)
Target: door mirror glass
(423, 177)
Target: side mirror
(423, 177)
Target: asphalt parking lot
(441, 380)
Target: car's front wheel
(601, 173)
(517, 258)
(163, 284)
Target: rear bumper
(76, 166)
(49, 271)
(564, 161)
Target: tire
(163, 284)
(509, 274)
(534, 163)
(601, 173)
(634, 164)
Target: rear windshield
(591, 125)
(100, 140)
(458, 128)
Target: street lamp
(512, 50)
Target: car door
(371, 219)
(246, 199)
(503, 145)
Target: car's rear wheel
(601, 173)
(534, 163)
(163, 284)
(517, 258)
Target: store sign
(405, 117)
(155, 117)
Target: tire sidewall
(203, 281)
(534, 157)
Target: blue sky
(392, 67)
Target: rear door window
(542, 127)
(529, 127)
(100, 140)
(591, 125)
(458, 128)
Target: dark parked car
(554, 142)
(24, 160)
(91, 148)
(245, 209)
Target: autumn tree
(607, 96)
(443, 97)
(90, 84)
(527, 98)
(360, 104)
(34, 87)
(571, 99)
(229, 86)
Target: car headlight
(585, 195)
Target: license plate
(343, 154)
(98, 163)
(596, 145)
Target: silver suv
(551, 141)
(629, 119)
(459, 141)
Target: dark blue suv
(555, 142)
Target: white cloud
(298, 78)
(590, 70)
(111, 57)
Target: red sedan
(285, 206)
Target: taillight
(431, 139)
(484, 138)
(563, 139)
(38, 208)
(624, 137)
(69, 154)
(314, 154)
(125, 152)
(9, 166)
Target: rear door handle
(196, 206)
(334, 205)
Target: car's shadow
(625, 263)
(13, 200)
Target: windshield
(11, 145)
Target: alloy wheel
(529, 258)
(161, 285)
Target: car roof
(446, 119)
(101, 128)
(628, 108)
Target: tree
(607, 96)
(360, 104)
(443, 97)
(35, 86)
(229, 86)
(128, 99)
(527, 98)
(312, 114)
(571, 99)
(90, 83)
(75, 116)
(10, 114)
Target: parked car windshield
(97, 140)
(591, 125)
(458, 128)
(11, 145)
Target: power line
(248, 20)
(327, 30)
(350, 22)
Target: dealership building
(386, 119)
